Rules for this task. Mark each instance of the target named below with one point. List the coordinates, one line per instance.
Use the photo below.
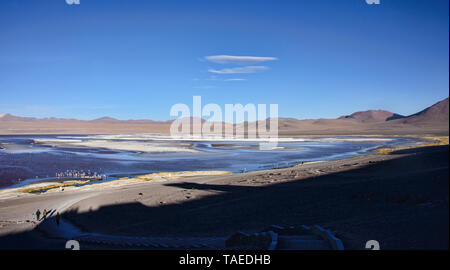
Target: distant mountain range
(104, 120)
(432, 120)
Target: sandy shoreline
(205, 205)
(44, 187)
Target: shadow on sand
(402, 203)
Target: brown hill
(106, 119)
(372, 116)
(11, 118)
(437, 113)
(110, 120)
(432, 120)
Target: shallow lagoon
(26, 159)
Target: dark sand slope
(400, 200)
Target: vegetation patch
(436, 141)
(44, 188)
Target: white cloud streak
(241, 60)
(238, 70)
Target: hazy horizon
(207, 118)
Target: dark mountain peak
(436, 113)
(395, 117)
(372, 116)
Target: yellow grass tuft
(46, 187)
(436, 141)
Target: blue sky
(134, 59)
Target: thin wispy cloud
(239, 70)
(240, 60)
